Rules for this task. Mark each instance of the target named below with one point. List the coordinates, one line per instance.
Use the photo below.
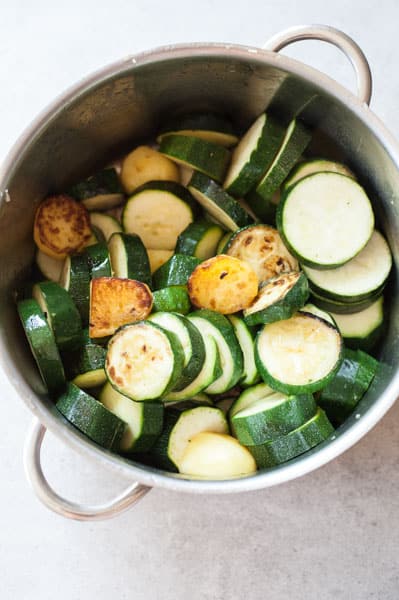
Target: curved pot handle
(56, 503)
(335, 37)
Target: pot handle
(335, 37)
(66, 508)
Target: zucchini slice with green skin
(222, 245)
(253, 155)
(100, 191)
(322, 314)
(278, 299)
(343, 308)
(174, 298)
(98, 260)
(158, 258)
(61, 313)
(175, 271)
(219, 328)
(191, 341)
(363, 329)
(91, 418)
(129, 258)
(199, 239)
(263, 249)
(316, 165)
(51, 268)
(75, 279)
(298, 355)
(85, 366)
(245, 336)
(42, 344)
(180, 427)
(206, 126)
(315, 431)
(104, 225)
(200, 399)
(201, 155)
(349, 385)
(144, 420)
(296, 139)
(325, 220)
(144, 361)
(218, 203)
(249, 396)
(271, 417)
(358, 279)
(158, 212)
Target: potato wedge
(115, 302)
(158, 258)
(223, 284)
(146, 164)
(62, 226)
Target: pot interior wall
(121, 109)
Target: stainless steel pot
(104, 115)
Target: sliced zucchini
(219, 328)
(75, 279)
(298, 355)
(322, 314)
(218, 203)
(343, 308)
(146, 164)
(223, 243)
(144, 420)
(175, 271)
(98, 260)
(91, 417)
(262, 247)
(296, 138)
(100, 191)
(363, 329)
(85, 366)
(191, 341)
(253, 155)
(360, 278)
(42, 344)
(349, 385)
(249, 396)
(271, 417)
(279, 298)
(325, 220)
(61, 313)
(51, 268)
(216, 456)
(207, 157)
(315, 431)
(104, 225)
(245, 336)
(315, 165)
(199, 239)
(158, 258)
(129, 258)
(200, 399)
(174, 298)
(206, 126)
(158, 212)
(144, 361)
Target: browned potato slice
(62, 226)
(146, 164)
(115, 302)
(224, 284)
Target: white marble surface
(330, 535)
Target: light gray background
(330, 535)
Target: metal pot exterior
(107, 114)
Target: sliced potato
(223, 284)
(216, 456)
(158, 258)
(115, 302)
(146, 164)
(61, 227)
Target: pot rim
(146, 475)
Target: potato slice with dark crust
(62, 226)
(223, 284)
(115, 302)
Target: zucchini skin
(101, 183)
(190, 239)
(174, 298)
(175, 271)
(137, 262)
(343, 308)
(89, 357)
(98, 260)
(79, 285)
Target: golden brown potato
(224, 284)
(62, 226)
(146, 164)
(115, 302)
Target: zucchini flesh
(363, 329)
(316, 165)
(249, 396)
(199, 239)
(298, 355)
(91, 417)
(100, 191)
(325, 220)
(129, 258)
(104, 225)
(174, 298)
(175, 271)
(245, 336)
(85, 366)
(158, 258)
(51, 268)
